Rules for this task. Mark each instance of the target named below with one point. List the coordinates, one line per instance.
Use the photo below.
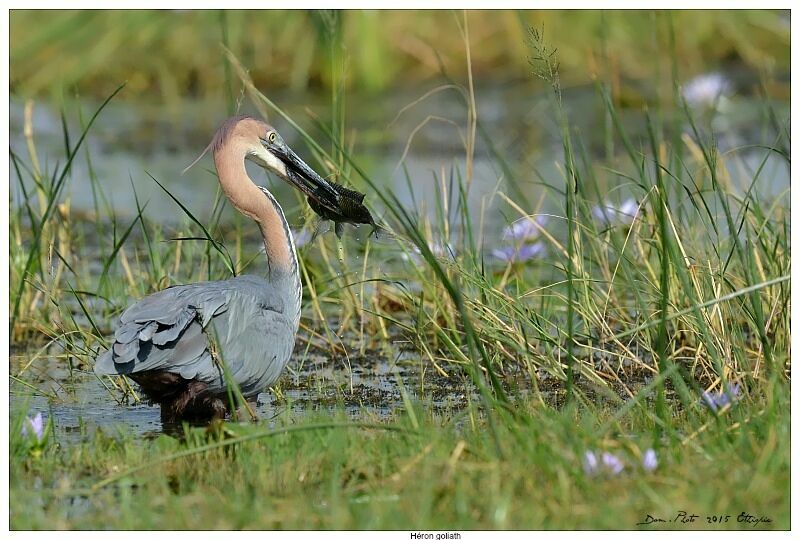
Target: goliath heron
(183, 344)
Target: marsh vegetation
(579, 315)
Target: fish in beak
(351, 210)
(329, 200)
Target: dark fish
(350, 209)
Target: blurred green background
(180, 84)
(173, 54)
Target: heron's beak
(304, 178)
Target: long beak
(306, 179)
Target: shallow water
(366, 387)
(128, 141)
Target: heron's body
(178, 343)
(187, 330)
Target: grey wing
(255, 344)
(168, 330)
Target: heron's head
(264, 146)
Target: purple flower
(590, 464)
(649, 460)
(607, 463)
(524, 229)
(628, 208)
(609, 214)
(717, 400)
(706, 89)
(34, 427)
(612, 463)
(516, 254)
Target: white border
(409, 4)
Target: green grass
(328, 473)
(673, 302)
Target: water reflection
(367, 387)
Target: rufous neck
(258, 204)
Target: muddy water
(366, 387)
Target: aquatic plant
(635, 320)
(607, 463)
(590, 463)
(720, 398)
(705, 90)
(612, 463)
(649, 460)
(33, 428)
(525, 229)
(32, 439)
(519, 253)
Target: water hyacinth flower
(612, 463)
(608, 462)
(515, 254)
(524, 229)
(717, 400)
(704, 90)
(610, 214)
(520, 235)
(649, 460)
(34, 427)
(590, 463)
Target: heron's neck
(259, 204)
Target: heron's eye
(272, 136)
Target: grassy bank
(420, 473)
(639, 300)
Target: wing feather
(169, 330)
